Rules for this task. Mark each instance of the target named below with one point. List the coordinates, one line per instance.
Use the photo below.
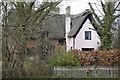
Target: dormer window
(87, 35)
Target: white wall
(70, 43)
(80, 41)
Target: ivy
(106, 24)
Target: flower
(73, 55)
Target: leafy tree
(105, 22)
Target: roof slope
(78, 21)
(56, 25)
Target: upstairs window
(87, 35)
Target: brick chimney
(67, 26)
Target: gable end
(90, 17)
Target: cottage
(72, 31)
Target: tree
(119, 37)
(105, 23)
(21, 22)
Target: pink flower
(73, 55)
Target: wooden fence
(104, 72)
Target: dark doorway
(87, 49)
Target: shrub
(65, 59)
(99, 58)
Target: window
(61, 42)
(87, 35)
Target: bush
(65, 59)
(37, 68)
(88, 58)
(99, 58)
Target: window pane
(87, 35)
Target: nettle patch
(88, 58)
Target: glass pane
(87, 35)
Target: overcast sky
(77, 6)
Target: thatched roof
(77, 22)
(56, 25)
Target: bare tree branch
(116, 7)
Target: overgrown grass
(0, 64)
(36, 69)
(27, 64)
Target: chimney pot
(68, 11)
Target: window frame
(90, 35)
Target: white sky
(77, 6)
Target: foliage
(0, 65)
(65, 59)
(100, 58)
(37, 69)
(86, 58)
(105, 22)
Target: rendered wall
(80, 41)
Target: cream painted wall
(70, 43)
(80, 41)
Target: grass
(27, 64)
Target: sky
(77, 6)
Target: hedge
(88, 58)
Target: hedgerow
(88, 58)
